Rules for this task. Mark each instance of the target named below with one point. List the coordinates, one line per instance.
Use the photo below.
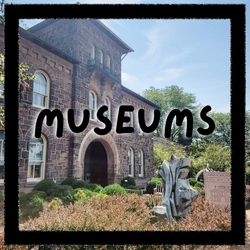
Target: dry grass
(127, 213)
(135, 213)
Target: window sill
(39, 107)
(33, 180)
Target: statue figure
(177, 194)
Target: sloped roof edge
(29, 36)
(140, 97)
(96, 22)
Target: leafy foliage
(82, 184)
(24, 78)
(114, 189)
(168, 98)
(215, 156)
(45, 186)
(164, 151)
(128, 182)
(31, 203)
(63, 192)
(197, 185)
(151, 184)
(55, 203)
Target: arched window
(131, 161)
(92, 105)
(37, 159)
(41, 90)
(108, 103)
(1, 156)
(108, 62)
(141, 163)
(92, 52)
(100, 57)
(131, 116)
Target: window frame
(131, 161)
(100, 57)
(93, 52)
(141, 163)
(107, 102)
(42, 162)
(47, 90)
(108, 63)
(95, 105)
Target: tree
(214, 156)
(222, 132)
(168, 98)
(164, 151)
(24, 79)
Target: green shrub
(79, 184)
(98, 189)
(199, 184)
(152, 184)
(55, 203)
(31, 203)
(114, 189)
(100, 195)
(80, 196)
(92, 186)
(128, 182)
(87, 192)
(216, 156)
(192, 181)
(82, 184)
(45, 186)
(70, 182)
(63, 192)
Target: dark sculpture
(177, 194)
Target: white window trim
(95, 103)
(101, 56)
(141, 164)
(107, 102)
(108, 62)
(93, 52)
(43, 164)
(47, 90)
(132, 156)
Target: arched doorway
(96, 164)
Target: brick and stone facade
(79, 56)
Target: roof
(140, 97)
(111, 34)
(29, 36)
(95, 22)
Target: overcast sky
(193, 54)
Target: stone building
(77, 64)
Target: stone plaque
(218, 188)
